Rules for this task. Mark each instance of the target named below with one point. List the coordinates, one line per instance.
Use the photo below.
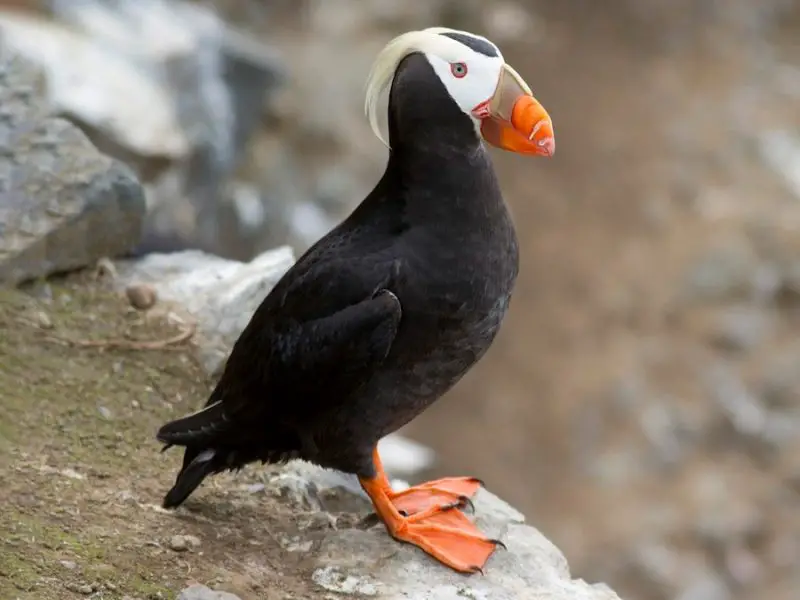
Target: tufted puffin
(394, 305)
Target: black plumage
(482, 46)
(379, 318)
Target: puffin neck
(432, 142)
(442, 183)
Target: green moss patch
(82, 474)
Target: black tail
(199, 432)
(198, 429)
(190, 476)
(212, 446)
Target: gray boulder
(349, 558)
(165, 86)
(367, 562)
(63, 204)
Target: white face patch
(468, 76)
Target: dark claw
(499, 543)
(478, 570)
(479, 481)
(466, 502)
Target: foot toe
(452, 539)
(439, 493)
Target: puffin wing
(307, 347)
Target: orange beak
(512, 119)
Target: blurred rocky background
(642, 405)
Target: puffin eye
(458, 69)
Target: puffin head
(475, 77)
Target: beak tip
(548, 146)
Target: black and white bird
(392, 307)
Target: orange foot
(432, 521)
(443, 493)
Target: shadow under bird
(394, 305)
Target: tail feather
(190, 476)
(200, 433)
(215, 442)
(198, 429)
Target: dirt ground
(83, 477)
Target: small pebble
(318, 521)
(84, 588)
(105, 268)
(178, 543)
(141, 296)
(126, 497)
(182, 543)
(68, 564)
(104, 412)
(43, 320)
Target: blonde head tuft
(383, 69)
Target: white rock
(201, 592)
(170, 40)
(221, 294)
(404, 457)
(370, 563)
(98, 87)
(335, 581)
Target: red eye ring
(458, 69)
